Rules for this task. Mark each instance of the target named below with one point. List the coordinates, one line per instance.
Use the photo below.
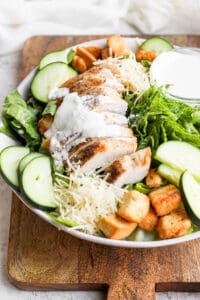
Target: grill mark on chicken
(115, 170)
(99, 152)
(124, 169)
(88, 152)
(80, 146)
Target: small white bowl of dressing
(181, 71)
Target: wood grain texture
(42, 258)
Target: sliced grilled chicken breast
(103, 103)
(117, 131)
(90, 81)
(102, 91)
(101, 152)
(129, 168)
(97, 75)
(79, 147)
(99, 90)
(82, 86)
(114, 118)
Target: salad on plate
(103, 145)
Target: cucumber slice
(61, 221)
(9, 161)
(181, 156)
(36, 183)
(57, 56)
(157, 45)
(190, 190)
(53, 75)
(66, 222)
(172, 175)
(26, 159)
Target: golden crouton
(173, 225)
(88, 57)
(153, 179)
(94, 50)
(105, 53)
(149, 222)
(118, 46)
(115, 227)
(145, 55)
(165, 199)
(134, 206)
(79, 64)
(46, 143)
(45, 123)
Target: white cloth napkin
(20, 19)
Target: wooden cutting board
(42, 258)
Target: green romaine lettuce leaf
(20, 119)
(70, 56)
(155, 119)
(50, 108)
(140, 187)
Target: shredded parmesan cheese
(85, 199)
(133, 75)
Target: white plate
(23, 90)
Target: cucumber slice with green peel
(61, 221)
(172, 175)
(157, 45)
(51, 76)
(51, 216)
(64, 56)
(9, 161)
(36, 183)
(26, 159)
(190, 190)
(66, 222)
(180, 156)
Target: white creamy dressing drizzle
(74, 122)
(58, 93)
(74, 117)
